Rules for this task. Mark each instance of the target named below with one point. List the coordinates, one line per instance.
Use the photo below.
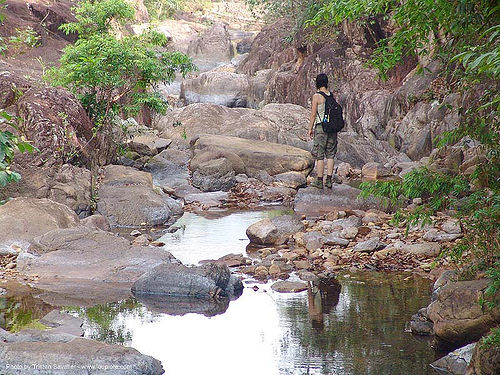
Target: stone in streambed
(434, 235)
(206, 281)
(369, 245)
(127, 198)
(457, 313)
(425, 248)
(274, 231)
(289, 286)
(17, 358)
(455, 362)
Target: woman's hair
(321, 81)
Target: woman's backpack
(333, 121)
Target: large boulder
(455, 362)
(317, 202)
(74, 358)
(23, 219)
(205, 282)
(274, 231)
(214, 175)
(55, 121)
(66, 184)
(258, 155)
(127, 198)
(278, 123)
(170, 170)
(223, 88)
(71, 186)
(457, 314)
(81, 263)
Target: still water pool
(357, 328)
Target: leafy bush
(9, 143)
(26, 37)
(111, 75)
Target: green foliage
(96, 17)
(421, 26)
(162, 9)
(492, 340)
(111, 75)
(3, 46)
(26, 37)
(9, 143)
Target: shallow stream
(357, 329)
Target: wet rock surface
(457, 314)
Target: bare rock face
(23, 219)
(258, 155)
(457, 315)
(278, 123)
(11, 87)
(54, 120)
(222, 88)
(127, 198)
(212, 46)
(396, 111)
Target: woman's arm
(312, 118)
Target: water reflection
(352, 327)
(212, 235)
(172, 305)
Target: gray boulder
(207, 281)
(23, 219)
(170, 170)
(274, 231)
(317, 202)
(127, 198)
(73, 358)
(258, 156)
(455, 362)
(84, 265)
(214, 175)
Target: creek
(358, 328)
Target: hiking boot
(328, 183)
(317, 183)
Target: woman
(325, 144)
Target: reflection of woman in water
(322, 297)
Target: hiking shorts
(325, 145)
